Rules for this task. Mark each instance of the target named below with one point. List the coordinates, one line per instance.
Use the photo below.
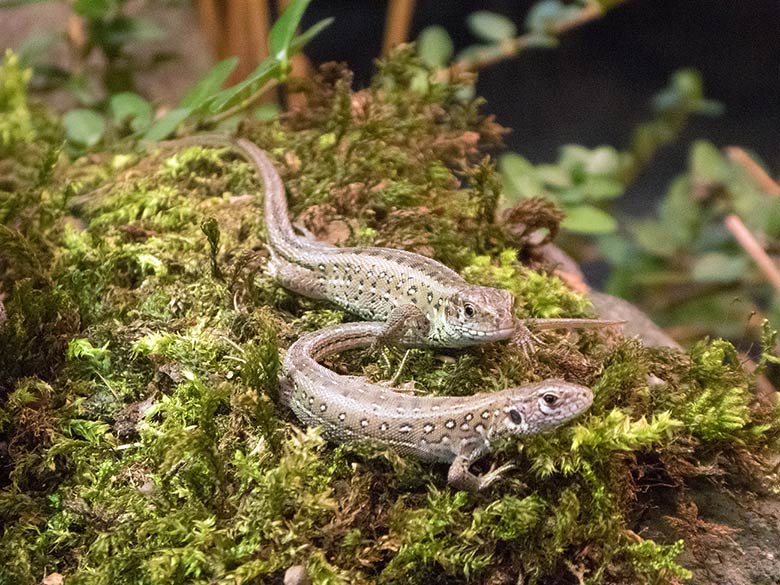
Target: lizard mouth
(495, 334)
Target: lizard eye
(516, 417)
(469, 310)
(550, 399)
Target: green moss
(139, 373)
(16, 124)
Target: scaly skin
(422, 302)
(456, 430)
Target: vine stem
(511, 47)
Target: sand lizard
(456, 430)
(422, 302)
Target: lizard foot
(493, 475)
(461, 478)
(524, 339)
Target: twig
(754, 170)
(749, 243)
(512, 47)
(397, 23)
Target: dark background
(597, 85)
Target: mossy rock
(140, 439)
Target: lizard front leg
(461, 478)
(405, 325)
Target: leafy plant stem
(512, 47)
(238, 108)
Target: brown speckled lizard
(456, 430)
(422, 302)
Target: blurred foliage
(115, 110)
(686, 264)
(110, 36)
(585, 181)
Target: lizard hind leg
(297, 278)
(461, 478)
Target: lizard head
(542, 406)
(479, 314)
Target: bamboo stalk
(749, 243)
(259, 21)
(208, 15)
(397, 23)
(236, 32)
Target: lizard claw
(524, 339)
(493, 475)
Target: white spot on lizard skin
(323, 407)
(469, 416)
(405, 428)
(429, 427)
(342, 416)
(364, 423)
(485, 414)
(383, 427)
(450, 424)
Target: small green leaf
(597, 188)
(554, 176)
(283, 30)
(655, 238)
(435, 47)
(164, 127)
(519, 176)
(545, 15)
(94, 9)
(680, 212)
(718, 267)
(208, 85)
(130, 107)
(586, 219)
(35, 46)
(84, 127)
(123, 30)
(491, 27)
(708, 165)
(298, 42)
